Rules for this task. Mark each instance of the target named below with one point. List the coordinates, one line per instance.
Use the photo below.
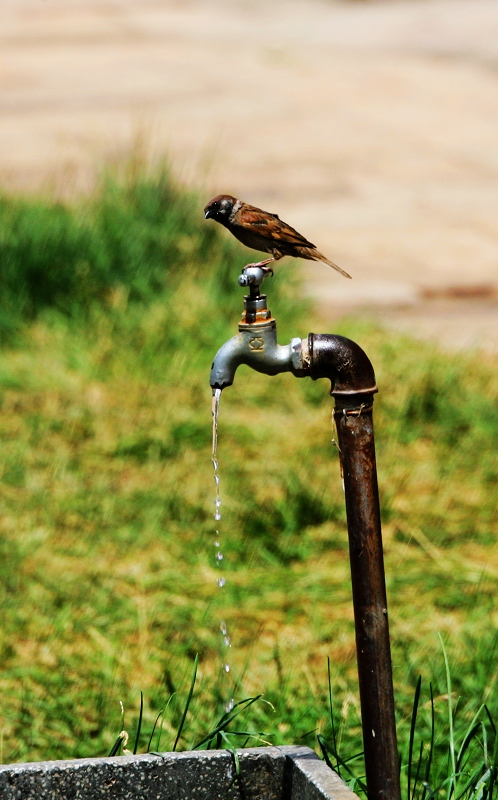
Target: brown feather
(315, 255)
(269, 225)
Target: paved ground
(370, 126)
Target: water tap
(256, 342)
(352, 381)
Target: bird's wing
(269, 226)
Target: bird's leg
(262, 265)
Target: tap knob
(252, 276)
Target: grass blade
(119, 741)
(325, 753)
(331, 711)
(416, 700)
(485, 743)
(187, 704)
(470, 735)
(225, 720)
(425, 782)
(419, 764)
(494, 769)
(229, 715)
(162, 721)
(116, 746)
(323, 745)
(493, 726)
(154, 730)
(234, 753)
(433, 731)
(451, 743)
(139, 726)
(472, 782)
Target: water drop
(223, 627)
(219, 556)
(217, 544)
(227, 641)
(226, 667)
(217, 516)
(230, 705)
(221, 582)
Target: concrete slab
(263, 773)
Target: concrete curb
(266, 773)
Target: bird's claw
(260, 265)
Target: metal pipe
(353, 386)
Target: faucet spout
(255, 345)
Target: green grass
(112, 311)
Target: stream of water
(219, 557)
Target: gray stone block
(266, 773)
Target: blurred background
(369, 126)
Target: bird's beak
(208, 213)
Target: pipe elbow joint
(343, 362)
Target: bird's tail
(315, 255)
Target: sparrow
(263, 231)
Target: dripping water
(219, 557)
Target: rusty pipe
(353, 387)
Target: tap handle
(252, 276)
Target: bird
(263, 231)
